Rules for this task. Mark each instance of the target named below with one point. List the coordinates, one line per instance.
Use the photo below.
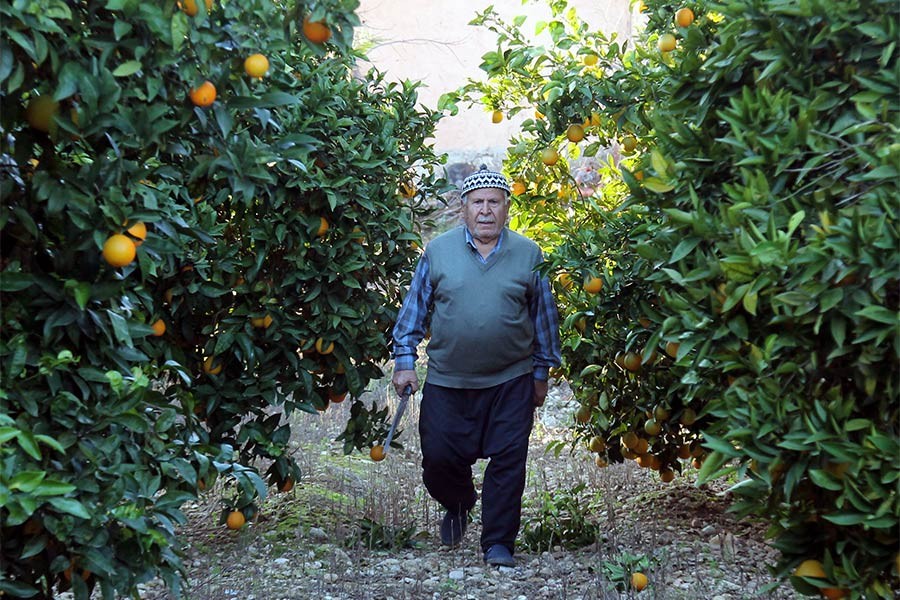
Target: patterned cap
(483, 178)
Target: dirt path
(354, 529)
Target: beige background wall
(431, 41)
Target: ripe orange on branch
(593, 285)
(684, 17)
(159, 327)
(235, 520)
(256, 65)
(377, 453)
(191, 8)
(211, 366)
(549, 156)
(40, 113)
(575, 133)
(138, 231)
(204, 94)
(119, 250)
(323, 347)
(496, 116)
(316, 32)
(666, 42)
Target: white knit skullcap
(483, 178)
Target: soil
(353, 529)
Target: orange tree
(741, 218)
(194, 246)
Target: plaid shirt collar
(471, 242)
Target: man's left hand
(540, 391)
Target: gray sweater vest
(481, 332)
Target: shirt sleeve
(544, 315)
(410, 327)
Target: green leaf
(50, 487)
(70, 506)
(657, 185)
(29, 445)
(120, 328)
(127, 68)
(879, 314)
(27, 481)
(750, 301)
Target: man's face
(485, 212)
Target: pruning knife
(401, 408)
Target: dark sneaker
(453, 527)
(499, 555)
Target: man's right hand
(402, 379)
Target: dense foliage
(193, 248)
(731, 176)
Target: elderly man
(494, 337)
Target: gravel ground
(311, 542)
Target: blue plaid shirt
(410, 327)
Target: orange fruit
(688, 417)
(565, 280)
(575, 133)
(538, 114)
(652, 427)
(549, 156)
(139, 232)
(286, 485)
(323, 226)
(834, 593)
(191, 8)
(323, 347)
(810, 568)
(256, 65)
(667, 475)
(632, 362)
(666, 42)
(597, 444)
(661, 413)
(408, 189)
(639, 581)
(377, 453)
(203, 95)
(684, 17)
(592, 285)
(645, 322)
(601, 462)
(159, 327)
(684, 451)
(119, 250)
(630, 440)
(590, 60)
(672, 349)
(641, 446)
(583, 414)
(629, 143)
(211, 367)
(518, 188)
(496, 116)
(336, 398)
(261, 322)
(316, 32)
(40, 113)
(235, 520)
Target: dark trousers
(459, 426)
